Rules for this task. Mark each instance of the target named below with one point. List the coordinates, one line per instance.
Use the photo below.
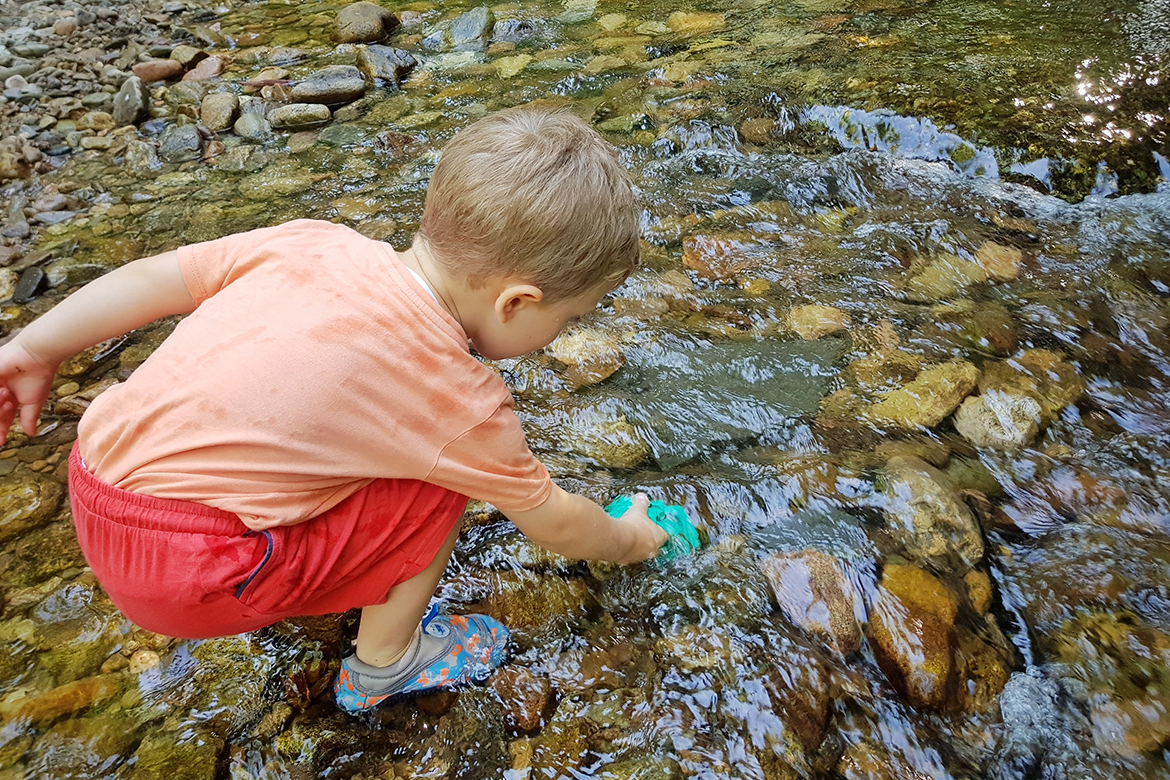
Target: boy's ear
(515, 297)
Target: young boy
(306, 440)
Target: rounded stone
(296, 115)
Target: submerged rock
(998, 420)
(25, 503)
(591, 354)
(1040, 374)
(609, 440)
(927, 517)
(813, 321)
(912, 620)
(470, 32)
(813, 591)
(180, 143)
(927, 401)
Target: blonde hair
(534, 193)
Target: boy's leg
(396, 654)
(387, 629)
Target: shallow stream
(899, 344)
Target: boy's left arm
(576, 527)
(112, 305)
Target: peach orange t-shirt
(314, 364)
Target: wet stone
(525, 697)
(157, 70)
(363, 22)
(330, 85)
(180, 143)
(142, 157)
(590, 354)
(219, 110)
(76, 749)
(813, 591)
(926, 401)
(926, 516)
(607, 439)
(26, 503)
(132, 102)
(188, 56)
(471, 30)
(207, 69)
(176, 755)
(912, 621)
(815, 320)
(385, 63)
(253, 127)
(998, 420)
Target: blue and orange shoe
(447, 652)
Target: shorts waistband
(138, 510)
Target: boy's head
(534, 194)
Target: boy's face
(534, 324)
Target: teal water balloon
(682, 537)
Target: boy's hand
(648, 537)
(25, 383)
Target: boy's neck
(450, 294)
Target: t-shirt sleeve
(492, 462)
(209, 266)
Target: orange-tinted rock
(912, 623)
(157, 70)
(1002, 263)
(69, 699)
(716, 258)
(208, 68)
(525, 696)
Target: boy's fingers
(28, 418)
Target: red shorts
(187, 570)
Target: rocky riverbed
(915, 399)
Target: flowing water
(890, 588)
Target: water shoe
(448, 651)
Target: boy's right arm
(576, 527)
(112, 305)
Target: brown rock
(65, 27)
(208, 68)
(757, 131)
(157, 70)
(927, 401)
(1040, 374)
(912, 622)
(814, 592)
(525, 696)
(219, 111)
